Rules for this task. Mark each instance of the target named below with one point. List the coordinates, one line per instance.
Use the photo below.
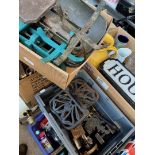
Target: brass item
(92, 150)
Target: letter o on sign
(125, 79)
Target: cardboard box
(49, 70)
(120, 102)
(31, 85)
(130, 62)
(123, 105)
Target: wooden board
(50, 71)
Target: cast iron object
(30, 11)
(83, 93)
(67, 110)
(93, 123)
(98, 128)
(93, 26)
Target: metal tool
(67, 109)
(55, 25)
(98, 128)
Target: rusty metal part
(81, 35)
(54, 22)
(82, 141)
(95, 123)
(67, 109)
(78, 131)
(114, 125)
(92, 150)
(92, 123)
(87, 96)
(83, 93)
(30, 11)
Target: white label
(121, 76)
(29, 61)
(102, 83)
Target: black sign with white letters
(121, 78)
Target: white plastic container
(123, 53)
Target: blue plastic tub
(31, 131)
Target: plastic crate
(30, 129)
(104, 106)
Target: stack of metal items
(85, 119)
(74, 108)
(61, 31)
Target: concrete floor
(25, 137)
